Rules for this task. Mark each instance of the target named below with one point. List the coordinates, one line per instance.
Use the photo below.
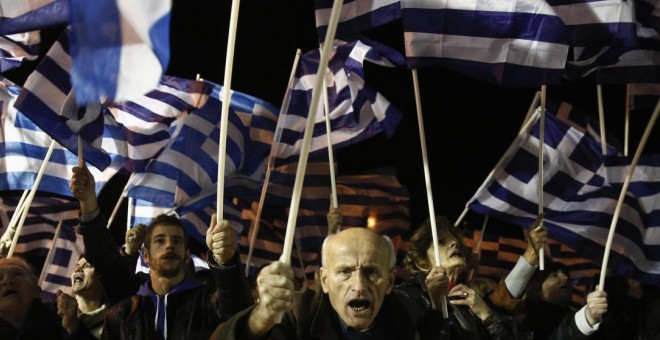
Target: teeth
(359, 309)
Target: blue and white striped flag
(510, 42)
(129, 133)
(32, 15)
(580, 194)
(188, 166)
(15, 48)
(120, 48)
(356, 16)
(37, 238)
(357, 110)
(23, 146)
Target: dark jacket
(546, 321)
(189, 311)
(42, 322)
(463, 324)
(313, 317)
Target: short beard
(170, 272)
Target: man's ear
(323, 276)
(145, 254)
(392, 278)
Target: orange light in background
(371, 222)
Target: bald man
(353, 300)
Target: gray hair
(388, 241)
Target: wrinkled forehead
(7, 267)
(355, 253)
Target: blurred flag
(129, 133)
(357, 110)
(375, 201)
(511, 42)
(37, 238)
(580, 194)
(356, 16)
(17, 47)
(120, 49)
(32, 15)
(23, 146)
(188, 166)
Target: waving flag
(129, 133)
(23, 146)
(510, 42)
(356, 16)
(37, 238)
(32, 15)
(375, 201)
(580, 194)
(357, 110)
(17, 47)
(188, 166)
(120, 48)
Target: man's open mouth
(8, 292)
(78, 278)
(359, 305)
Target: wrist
(88, 206)
(259, 322)
(531, 256)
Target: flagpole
(128, 213)
(626, 127)
(530, 112)
(81, 160)
(331, 158)
(254, 231)
(8, 235)
(601, 120)
(30, 197)
(51, 253)
(307, 135)
(429, 191)
(622, 195)
(477, 248)
(540, 157)
(226, 102)
(116, 209)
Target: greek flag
(15, 48)
(509, 42)
(581, 189)
(32, 15)
(120, 48)
(357, 110)
(356, 16)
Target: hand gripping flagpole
(429, 191)
(319, 85)
(624, 189)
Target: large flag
(120, 48)
(188, 166)
(356, 16)
(36, 239)
(23, 146)
(581, 189)
(510, 42)
(497, 255)
(375, 201)
(32, 15)
(357, 110)
(129, 133)
(15, 48)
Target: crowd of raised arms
(357, 293)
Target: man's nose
(358, 281)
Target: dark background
(469, 123)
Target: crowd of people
(357, 294)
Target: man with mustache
(354, 300)
(170, 304)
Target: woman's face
(450, 252)
(555, 289)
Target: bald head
(355, 238)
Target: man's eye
(344, 271)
